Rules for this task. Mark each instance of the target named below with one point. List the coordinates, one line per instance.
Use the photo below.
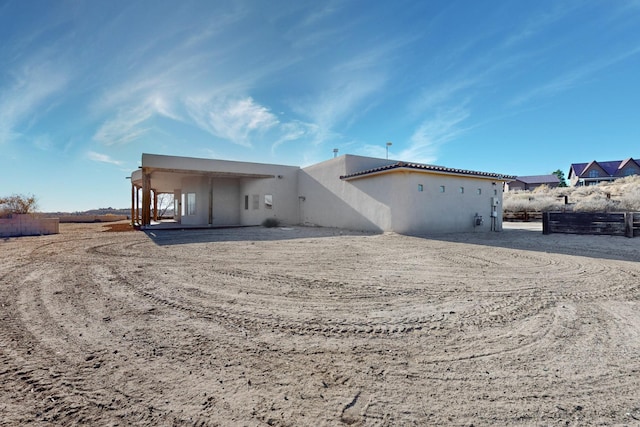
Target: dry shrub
(619, 195)
(270, 223)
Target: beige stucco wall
(388, 201)
(391, 201)
(283, 190)
(28, 225)
(328, 201)
(227, 185)
(433, 211)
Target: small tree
(560, 176)
(18, 204)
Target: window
(629, 171)
(594, 174)
(255, 201)
(420, 187)
(442, 188)
(268, 201)
(246, 202)
(495, 192)
(479, 191)
(191, 203)
(461, 190)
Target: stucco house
(350, 192)
(532, 182)
(596, 172)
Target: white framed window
(268, 201)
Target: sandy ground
(306, 326)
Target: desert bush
(620, 195)
(595, 202)
(270, 223)
(531, 201)
(18, 204)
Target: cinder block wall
(28, 225)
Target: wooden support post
(138, 205)
(628, 224)
(545, 223)
(146, 198)
(133, 205)
(155, 205)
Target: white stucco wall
(433, 211)
(226, 183)
(388, 201)
(283, 190)
(391, 201)
(331, 202)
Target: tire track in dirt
(52, 372)
(494, 334)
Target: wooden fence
(522, 216)
(612, 224)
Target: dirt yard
(305, 326)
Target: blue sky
(513, 87)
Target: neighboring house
(596, 172)
(532, 182)
(350, 192)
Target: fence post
(545, 223)
(628, 224)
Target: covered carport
(148, 182)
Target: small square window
(442, 188)
(420, 187)
(461, 190)
(479, 190)
(495, 192)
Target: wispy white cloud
(539, 22)
(296, 131)
(425, 141)
(236, 120)
(102, 158)
(33, 86)
(131, 122)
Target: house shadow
(184, 236)
(511, 238)
(527, 238)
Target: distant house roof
(430, 168)
(539, 179)
(612, 168)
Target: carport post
(146, 197)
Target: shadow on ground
(177, 236)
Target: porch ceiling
(167, 180)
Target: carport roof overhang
(162, 179)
